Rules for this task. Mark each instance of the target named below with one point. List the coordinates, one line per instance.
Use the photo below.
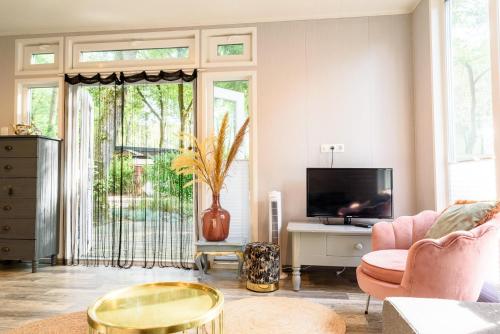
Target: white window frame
(205, 117)
(212, 38)
(22, 102)
(151, 40)
(26, 48)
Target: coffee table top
(164, 307)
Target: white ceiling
(56, 16)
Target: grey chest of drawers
(29, 198)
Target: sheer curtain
(123, 203)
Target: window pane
(232, 97)
(42, 108)
(470, 116)
(139, 54)
(230, 49)
(42, 58)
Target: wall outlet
(337, 148)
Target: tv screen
(349, 192)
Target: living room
(249, 167)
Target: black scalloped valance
(121, 78)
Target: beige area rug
(280, 315)
(257, 315)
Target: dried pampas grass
(209, 159)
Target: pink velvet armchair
(403, 263)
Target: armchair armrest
(402, 232)
(452, 267)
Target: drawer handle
(9, 147)
(6, 228)
(7, 208)
(7, 167)
(358, 246)
(5, 249)
(10, 191)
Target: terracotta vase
(215, 221)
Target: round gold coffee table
(158, 308)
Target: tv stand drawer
(347, 245)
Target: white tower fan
(275, 222)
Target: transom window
(39, 56)
(229, 47)
(166, 50)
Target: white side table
(217, 248)
(327, 245)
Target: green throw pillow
(459, 217)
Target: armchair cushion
(385, 265)
(461, 217)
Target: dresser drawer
(17, 209)
(347, 245)
(17, 188)
(18, 167)
(18, 148)
(17, 249)
(17, 229)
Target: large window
(231, 93)
(122, 201)
(471, 164)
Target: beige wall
(327, 81)
(6, 81)
(334, 81)
(422, 106)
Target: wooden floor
(55, 290)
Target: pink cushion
(386, 265)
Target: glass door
(133, 206)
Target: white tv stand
(327, 245)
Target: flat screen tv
(349, 193)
